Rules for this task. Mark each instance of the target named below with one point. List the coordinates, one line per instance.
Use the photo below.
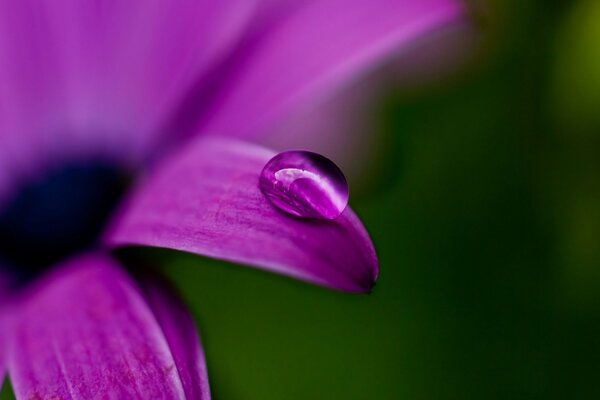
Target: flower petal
(104, 74)
(87, 332)
(206, 200)
(3, 328)
(344, 124)
(181, 334)
(311, 50)
(2, 351)
(2, 366)
(340, 126)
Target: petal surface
(180, 331)
(2, 351)
(310, 50)
(3, 325)
(345, 125)
(2, 361)
(100, 75)
(205, 200)
(86, 332)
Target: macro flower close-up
(128, 125)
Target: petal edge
(205, 200)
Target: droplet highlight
(305, 184)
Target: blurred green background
(485, 210)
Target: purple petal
(80, 76)
(3, 327)
(206, 201)
(313, 49)
(2, 349)
(2, 366)
(181, 334)
(341, 125)
(87, 332)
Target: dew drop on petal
(305, 184)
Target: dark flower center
(58, 215)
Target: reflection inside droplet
(305, 184)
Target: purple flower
(96, 93)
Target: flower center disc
(57, 215)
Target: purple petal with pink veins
(86, 331)
(206, 200)
(180, 332)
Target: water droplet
(305, 184)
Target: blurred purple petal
(181, 334)
(345, 125)
(3, 329)
(101, 75)
(436, 57)
(206, 200)
(2, 366)
(311, 50)
(87, 332)
(342, 126)
(2, 345)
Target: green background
(485, 211)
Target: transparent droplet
(305, 184)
